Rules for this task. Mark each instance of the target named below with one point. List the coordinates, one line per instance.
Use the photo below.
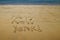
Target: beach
(45, 17)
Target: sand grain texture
(48, 18)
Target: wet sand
(46, 16)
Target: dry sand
(46, 16)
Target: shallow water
(29, 2)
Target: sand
(46, 16)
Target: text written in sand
(23, 24)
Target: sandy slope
(47, 17)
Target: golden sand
(46, 16)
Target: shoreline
(30, 5)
